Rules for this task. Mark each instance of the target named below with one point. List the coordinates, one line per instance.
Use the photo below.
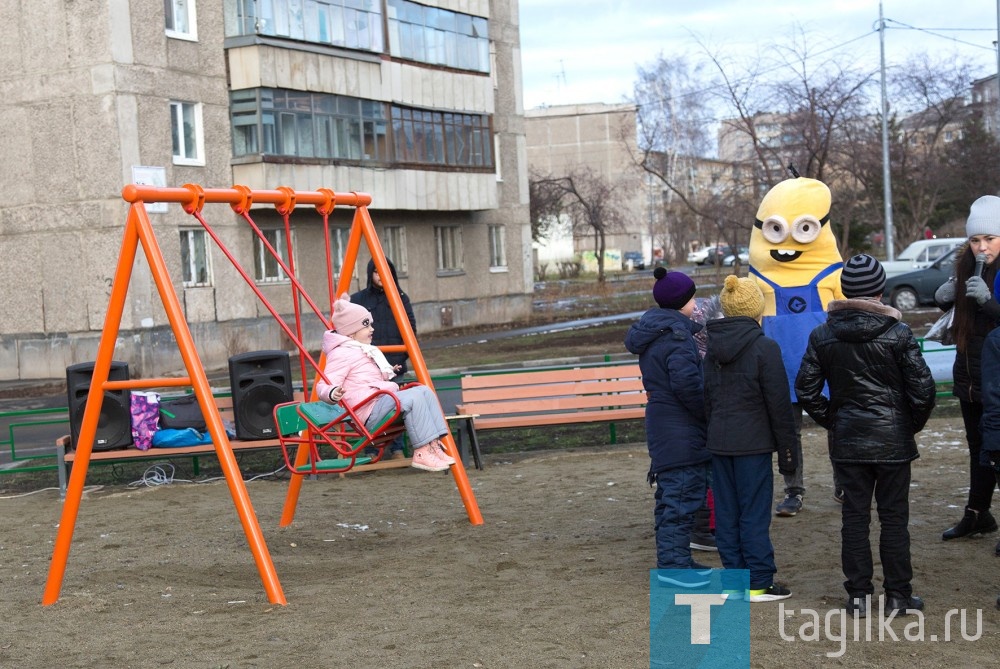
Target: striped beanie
(862, 276)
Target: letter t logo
(701, 614)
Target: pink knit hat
(349, 318)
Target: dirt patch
(385, 569)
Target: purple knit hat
(672, 290)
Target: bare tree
(819, 113)
(593, 203)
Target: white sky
(577, 51)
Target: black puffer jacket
(881, 390)
(746, 393)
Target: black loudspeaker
(114, 425)
(259, 380)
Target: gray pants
(422, 414)
(794, 483)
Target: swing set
(309, 430)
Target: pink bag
(145, 419)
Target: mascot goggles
(804, 229)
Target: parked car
(920, 254)
(743, 255)
(700, 257)
(910, 290)
(634, 260)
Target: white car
(699, 257)
(920, 254)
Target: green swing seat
(322, 427)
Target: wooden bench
(605, 393)
(65, 455)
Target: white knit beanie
(984, 217)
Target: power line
(931, 31)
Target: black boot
(702, 538)
(973, 522)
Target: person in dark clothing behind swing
(374, 299)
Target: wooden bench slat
(550, 376)
(587, 402)
(542, 390)
(559, 418)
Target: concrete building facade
(602, 138)
(418, 104)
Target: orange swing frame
(139, 232)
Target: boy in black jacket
(749, 418)
(881, 395)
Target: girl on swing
(355, 369)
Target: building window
(449, 248)
(186, 132)
(438, 36)
(180, 19)
(498, 252)
(308, 125)
(441, 138)
(394, 246)
(352, 24)
(338, 247)
(195, 265)
(336, 127)
(266, 267)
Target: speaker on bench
(259, 380)
(114, 425)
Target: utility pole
(890, 250)
(996, 132)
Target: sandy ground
(385, 570)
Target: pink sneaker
(426, 458)
(443, 454)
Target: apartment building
(418, 104)
(601, 137)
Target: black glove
(994, 458)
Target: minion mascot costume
(794, 257)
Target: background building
(417, 104)
(599, 137)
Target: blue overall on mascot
(794, 257)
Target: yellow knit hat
(741, 297)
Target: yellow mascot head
(791, 241)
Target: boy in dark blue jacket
(749, 418)
(675, 419)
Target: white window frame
(448, 241)
(183, 12)
(394, 245)
(194, 240)
(498, 248)
(179, 110)
(261, 256)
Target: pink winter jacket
(349, 368)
